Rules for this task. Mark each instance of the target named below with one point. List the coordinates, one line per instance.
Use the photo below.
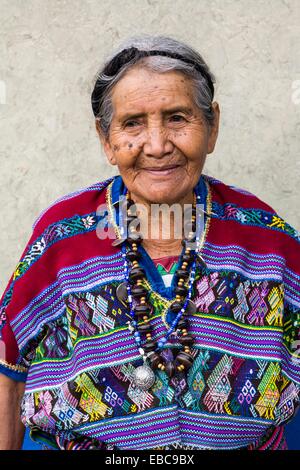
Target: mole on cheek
(130, 145)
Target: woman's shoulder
(253, 225)
(225, 193)
(80, 202)
(230, 202)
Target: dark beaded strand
(142, 310)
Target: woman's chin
(159, 190)
(162, 195)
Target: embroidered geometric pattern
(66, 332)
(253, 217)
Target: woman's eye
(131, 124)
(177, 118)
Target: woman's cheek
(131, 147)
(185, 142)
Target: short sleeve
(11, 363)
(290, 356)
(30, 299)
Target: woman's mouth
(162, 171)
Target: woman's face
(158, 137)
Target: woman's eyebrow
(179, 109)
(175, 109)
(126, 116)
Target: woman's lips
(164, 171)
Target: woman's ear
(214, 129)
(105, 144)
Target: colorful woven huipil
(65, 332)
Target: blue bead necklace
(134, 275)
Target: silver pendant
(143, 377)
(121, 292)
(190, 308)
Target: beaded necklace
(181, 307)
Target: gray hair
(203, 93)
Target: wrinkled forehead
(145, 89)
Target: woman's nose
(157, 142)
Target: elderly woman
(116, 335)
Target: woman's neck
(162, 226)
(160, 248)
